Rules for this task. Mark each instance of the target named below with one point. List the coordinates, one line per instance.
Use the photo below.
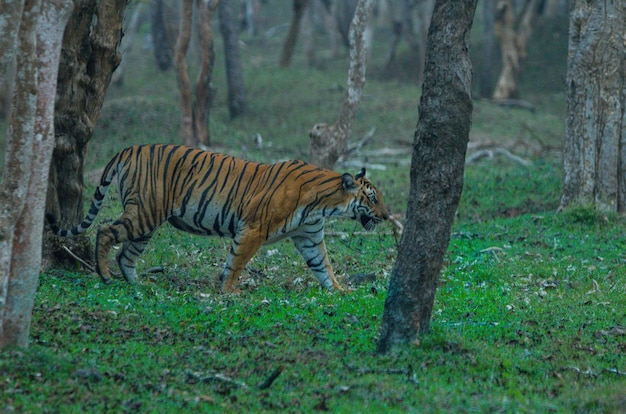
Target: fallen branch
(497, 151)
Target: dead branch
(216, 377)
(359, 144)
(490, 153)
(78, 259)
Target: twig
(84, 263)
(493, 250)
(581, 372)
(270, 380)
(359, 144)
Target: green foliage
(530, 313)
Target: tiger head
(366, 204)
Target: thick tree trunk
(41, 34)
(594, 150)
(89, 56)
(513, 32)
(437, 168)
(328, 142)
(237, 102)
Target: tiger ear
(348, 183)
(361, 174)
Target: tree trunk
(513, 33)
(594, 150)
(294, 29)
(8, 27)
(328, 142)
(437, 166)
(41, 34)
(182, 73)
(161, 42)
(205, 92)
(234, 72)
(487, 49)
(89, 56)
(195, 115)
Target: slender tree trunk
(205, 92)
(294, 29)
(487, 49)
(594, 150)
(437, 166)
(162, 45)
(328, 142)
(41, 34)
(513, 32)
(237, 102)
(8, 27)
(182, 73)
(89, 56)
(18, 160)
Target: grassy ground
(530, 314)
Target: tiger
(213, 194)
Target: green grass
(529, 315)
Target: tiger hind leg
(123, 230)
(128, 255)
(313, 250)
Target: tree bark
(161, 42)
(40, 39)
(195, 115)
(594, 150)
(89, 56)
(182, 73)
(18, 160)
(294, 29)
(513, 33)
(437, 166)
(237, 102)
(328, 142)
(487, 49)
(8, 27)
(205, 92)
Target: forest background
(530, 310)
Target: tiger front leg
(313, 250)
(242, 250)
